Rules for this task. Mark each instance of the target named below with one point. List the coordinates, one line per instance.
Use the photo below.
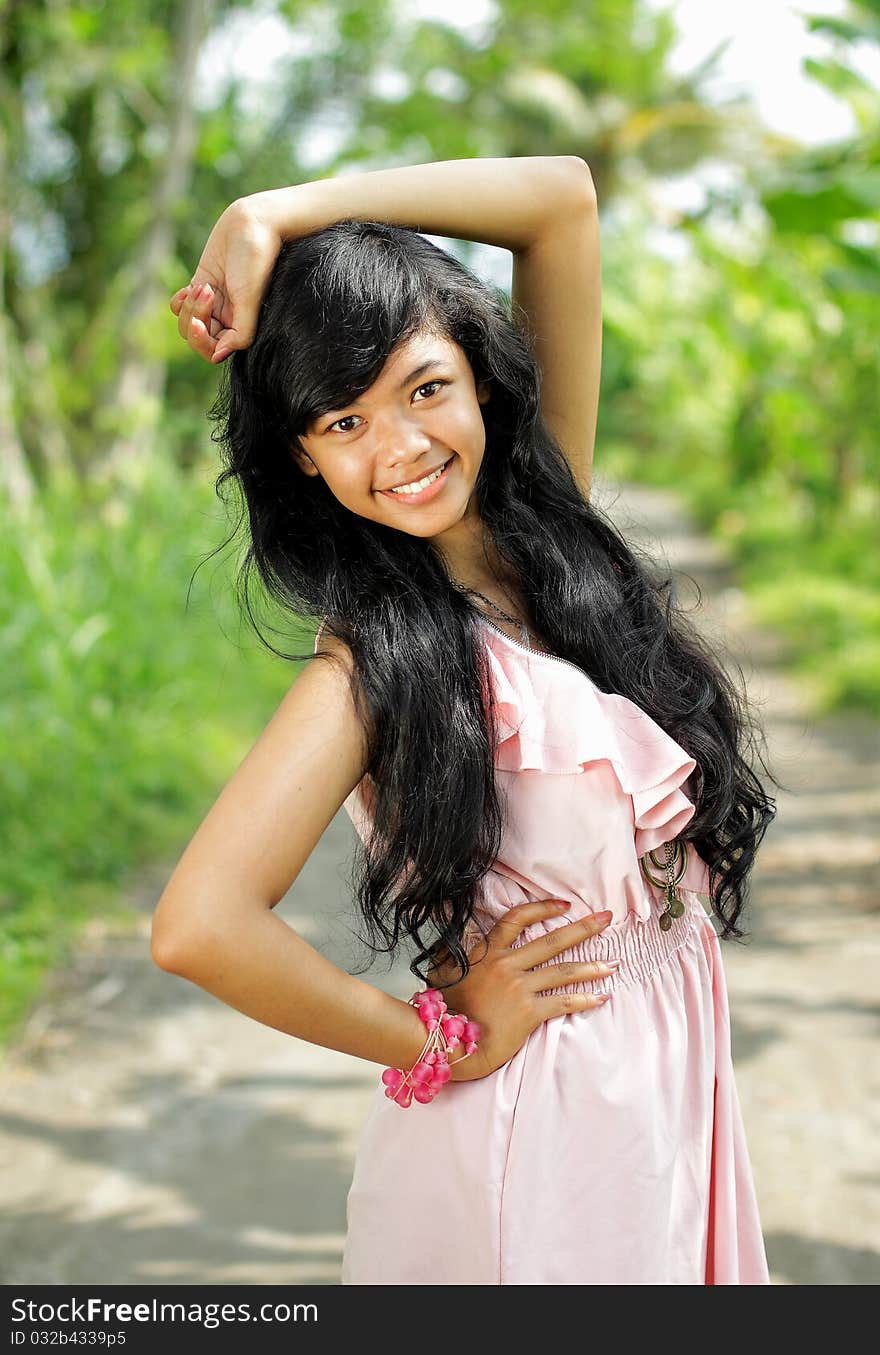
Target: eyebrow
(436, 361)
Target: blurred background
(735, 150)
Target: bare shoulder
(327, 643)
(272, 812)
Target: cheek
(463, 428)
(352, 481)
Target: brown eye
(341, 421)
(428, 384)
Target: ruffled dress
(611, 1148)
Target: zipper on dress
(537, 653)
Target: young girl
(544, 762)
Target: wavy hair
(338, 303)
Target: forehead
(421, 347)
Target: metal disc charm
(675, 867)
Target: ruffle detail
(551, 717)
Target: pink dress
(610, 1149)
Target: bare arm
(542, 208)
(509, 201)
(557, 285)
(214, 923)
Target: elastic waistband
(641, 946)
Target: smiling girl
(544, 762)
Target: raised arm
(557, 287)
(542, 208)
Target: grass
(122, 711)
(817, 584)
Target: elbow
(165, 953)
(579, 180)
(168, 945)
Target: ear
(302, 459)
(483, 391)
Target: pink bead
(432, 1007)
(431, 1072)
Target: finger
(196, 299)
(185, 313)
(200, 337)
(522, 915)
(214, 342)
(565, 1004)
(561, 938)
(244, 309)
(551, 976)
(185, 296)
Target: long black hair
(338, 303)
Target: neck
(472, 560)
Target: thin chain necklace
(514, 620)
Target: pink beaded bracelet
(431, 1070)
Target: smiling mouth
(405, 490)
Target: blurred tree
(748, 362)
(111, 171)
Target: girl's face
(421, 414)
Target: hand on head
(217, 312)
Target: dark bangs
(336, 312)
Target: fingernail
(197, 291)
(218, 354)
(607, 913)
(611, 964)
(603, 997)
(562, 903)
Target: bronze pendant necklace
(674, 874)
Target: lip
(423, 495)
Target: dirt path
(150, 1135)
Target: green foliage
(125, 706)
(745, 372)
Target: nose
(401, 442)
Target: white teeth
(420, 484)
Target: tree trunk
(131, 407)
(17, 479)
